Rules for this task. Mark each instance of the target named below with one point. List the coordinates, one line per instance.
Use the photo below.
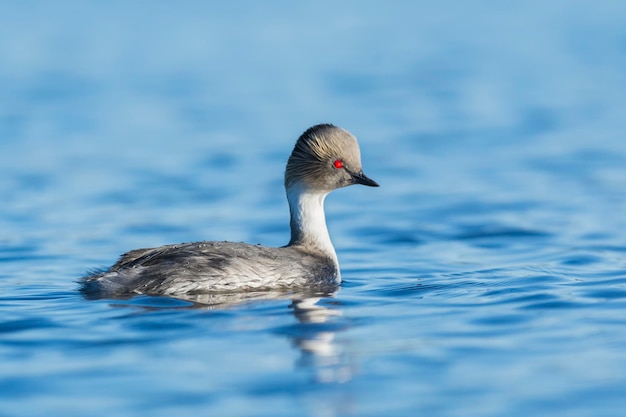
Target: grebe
(324, 158)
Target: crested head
(325, 158)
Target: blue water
(486, 277)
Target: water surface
(486, 277)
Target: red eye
(338, 163)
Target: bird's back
(202, 267)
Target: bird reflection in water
(314, 334)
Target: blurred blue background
(486, 277)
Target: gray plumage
(195, 268)
(308, 261)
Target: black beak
(361, 178)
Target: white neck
(308, 222)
